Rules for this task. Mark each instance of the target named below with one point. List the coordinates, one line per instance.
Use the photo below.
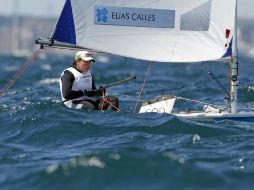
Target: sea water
(44, 145)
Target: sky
(52, 8)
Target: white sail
(154, 30)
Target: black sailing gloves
(100, 92)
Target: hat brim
(89, 59)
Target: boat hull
(199, 116)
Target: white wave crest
(49, 81)
(250, 88)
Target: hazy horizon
(52, 8)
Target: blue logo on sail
(102, 15)
(131, 16)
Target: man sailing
(78, 89)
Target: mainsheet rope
(18, 74)
(104, 99)
(142, 87)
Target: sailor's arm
(93, 84)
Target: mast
(234, 69)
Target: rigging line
(116, 108)
(196, 101)
(18, 74)
(105, 99)
(142, 87)
(224, 90)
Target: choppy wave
(46, 145)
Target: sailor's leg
(88, 104)
(114, 103)
(84, 104)
(111, 103)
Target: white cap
(84, 55)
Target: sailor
(78, 89)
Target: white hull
(161, 104)
(165, 104)
(211, 116)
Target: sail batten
(150, 30)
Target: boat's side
(210, 116)
(165, 104)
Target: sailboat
(178, 31)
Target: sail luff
(65, 28)
(54, 30)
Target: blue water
(44, 145)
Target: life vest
(83, 81)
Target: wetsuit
(78, 91)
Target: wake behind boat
(178, 31)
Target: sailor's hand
(102, 91)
